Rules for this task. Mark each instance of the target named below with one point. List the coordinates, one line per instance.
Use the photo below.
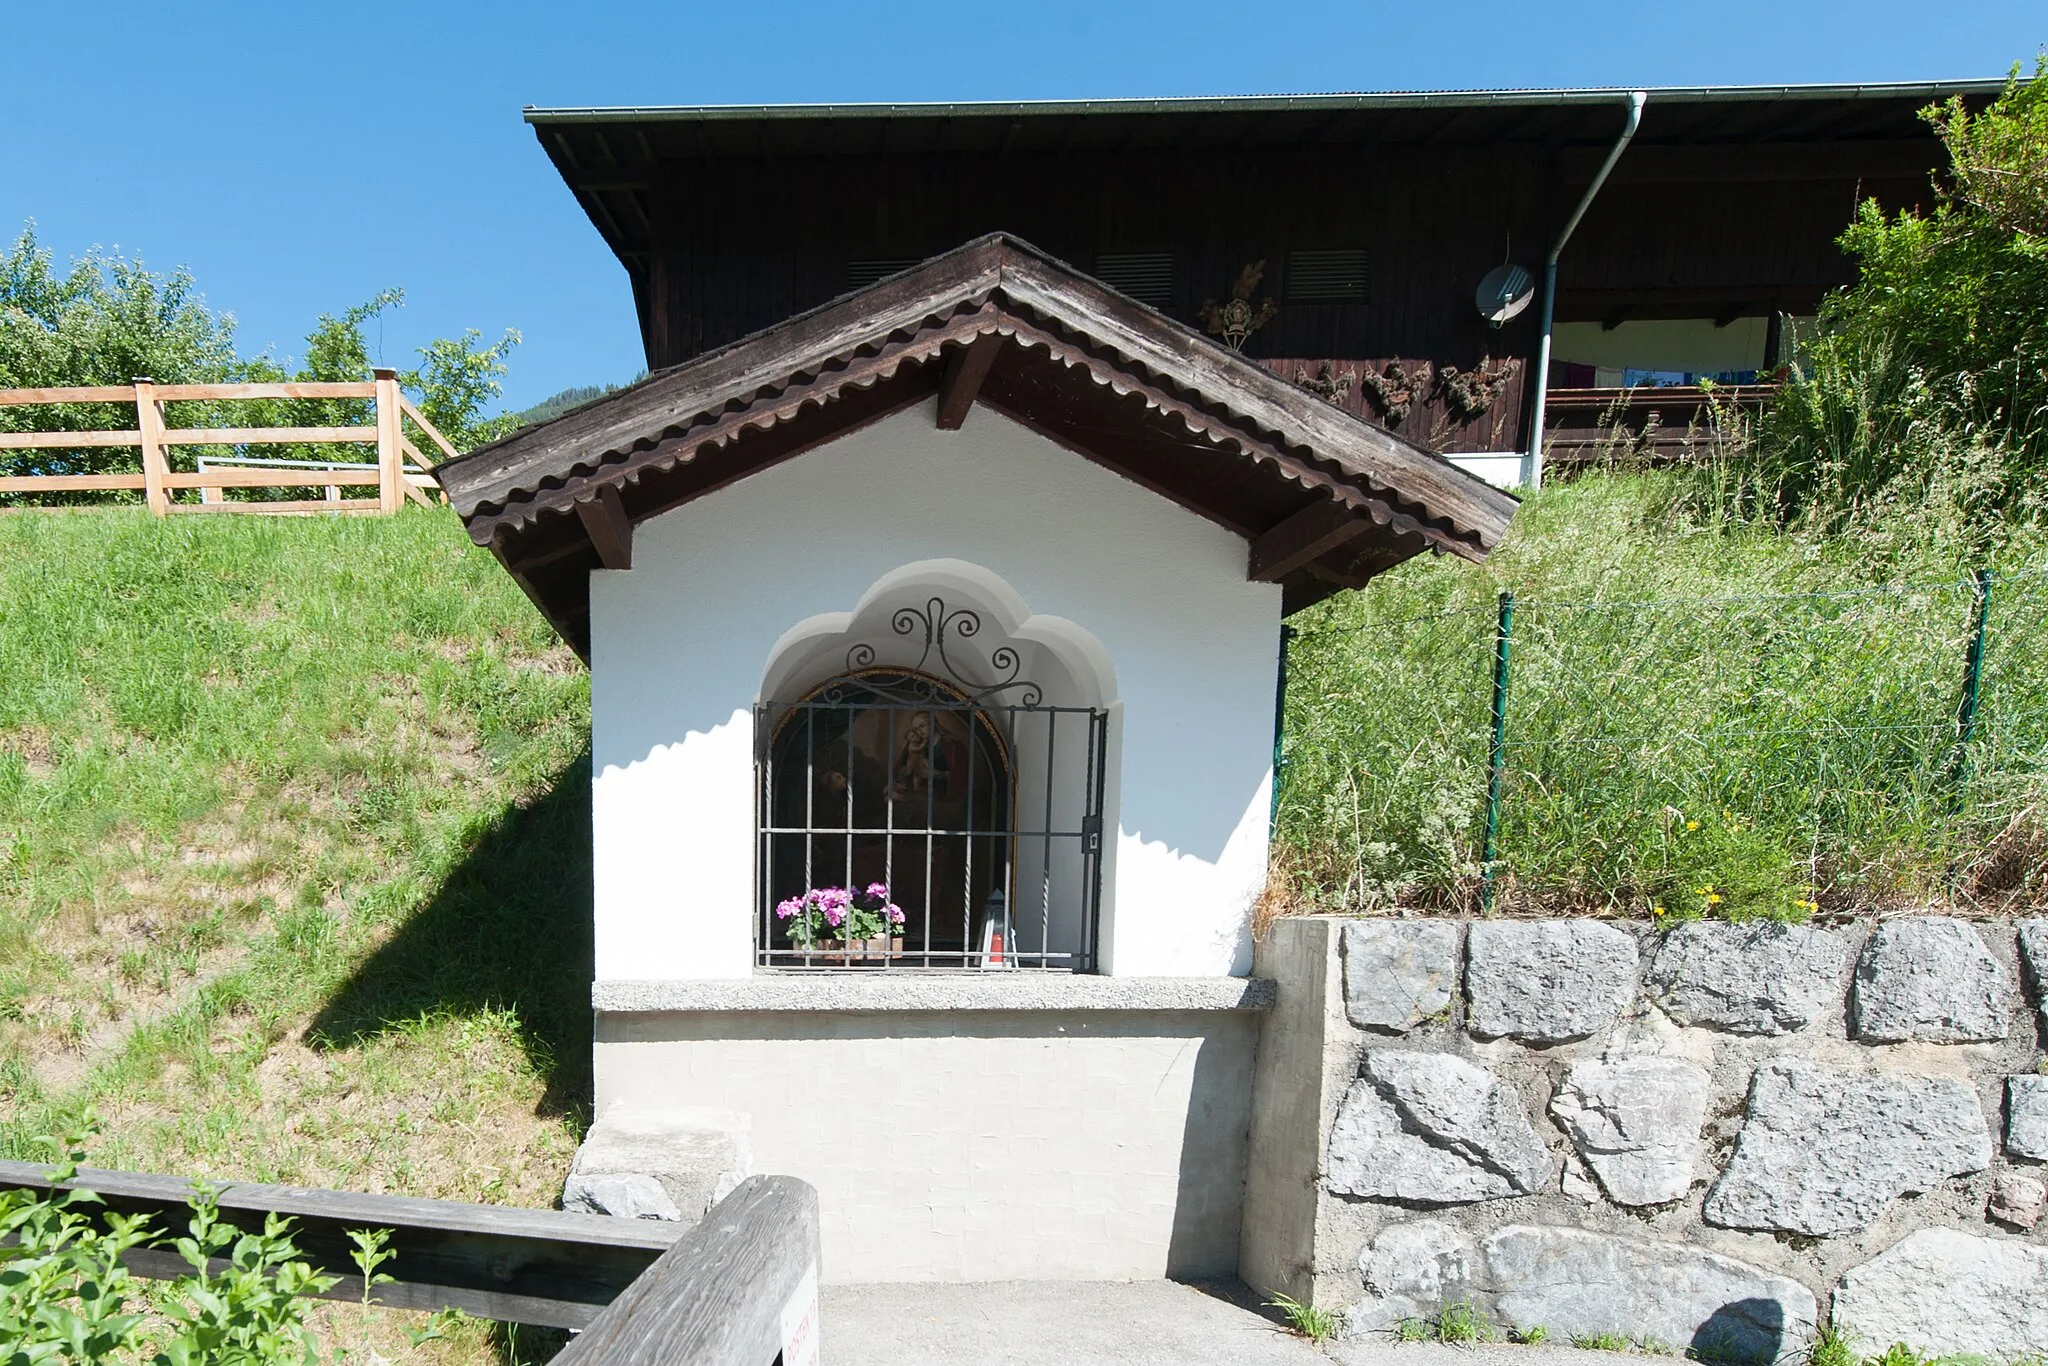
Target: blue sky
(299, 158)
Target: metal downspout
(1532, 460)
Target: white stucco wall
(1118, 588)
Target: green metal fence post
(1279, 726)
(1496, 755)
(1973, 677)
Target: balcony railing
(1647, 425)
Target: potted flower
(842, 925)
(815, 922)
(874, 923)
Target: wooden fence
(739, 1288)
(398, 472)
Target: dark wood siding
(735, 246)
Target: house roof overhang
(612, 156)
(1324, 499)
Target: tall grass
(1704, 717)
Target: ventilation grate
(1146, 276)
(861, 274)
(1326, 277)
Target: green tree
(455, 379)
(108, 319)
(104, 321)
(1929, 376)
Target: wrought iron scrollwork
(937, 622)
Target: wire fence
(1768, 754)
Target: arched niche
(941, 739)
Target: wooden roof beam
(966, 368)
(609, 528)
(1303, 538)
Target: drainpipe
(1532, 461)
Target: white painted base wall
(955, 1146)
(1133, 603)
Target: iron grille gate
(890, 789)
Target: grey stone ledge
(934, 991)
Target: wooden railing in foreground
(532, 1266)
(739, 1289)
(158, 482)
(648, 1292)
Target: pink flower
(894, 912)
(879, 890)
(785, 909)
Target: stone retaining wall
(1709, 1140)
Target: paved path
(1108, 1323)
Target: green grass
(1310, 1321)
(1702, 718)
(292, 821)
(1832, 1347)
(1456, 1324)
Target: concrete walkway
(1114, 1323)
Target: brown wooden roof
(1325, 500)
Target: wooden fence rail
(543, 1267)
(739, 1288)
(399, 471)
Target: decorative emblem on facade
(1237, 318)
(936, 622)
(1471, 392)
(1395, 389)
(1331, 388)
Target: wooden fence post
(149, 427)
(739, 1289)
(390, 470)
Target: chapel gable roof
(1324, 499)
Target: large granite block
(1398, 973)
(1762, 978)
(1929, 980)
(1824, 1151)
(1547, 981)
(1435, 1129)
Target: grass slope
(1702, 718)
(291, 814)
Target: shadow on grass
(509, 929)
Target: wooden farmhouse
(932, 585)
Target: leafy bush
(65, 1295)
(1933, 368)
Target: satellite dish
(1504, 292)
